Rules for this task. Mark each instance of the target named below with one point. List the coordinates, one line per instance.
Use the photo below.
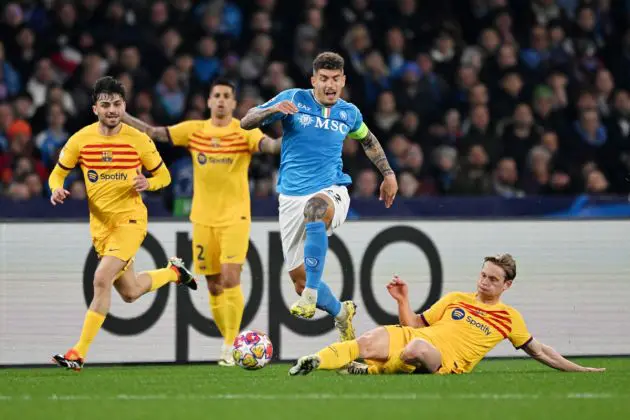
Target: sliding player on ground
(221, 215)
(314, 198)
(111, 155)
(450, 337)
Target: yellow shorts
(121, 241)
(213, 246)
(400, 336)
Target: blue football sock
(315, 248)
(326, 301)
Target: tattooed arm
(376, 154)
(256, 116)
(156, 133)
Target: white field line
(299, 397)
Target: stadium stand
(492, 97)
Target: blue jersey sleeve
(359, 130)
(286, 95)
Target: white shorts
(292, 228)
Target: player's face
(492, 282)
(109, 109)
(221, 101)
(328, 85)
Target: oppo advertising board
(572, 286)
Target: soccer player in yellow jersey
(221, 152)
(450, 337)
(111, 155)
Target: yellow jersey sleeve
(149, 156)
(436, 311)
(254, 138)
(180, 133)
(519, 336)
(69, 155)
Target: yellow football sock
(338, 355)
(91, 325)
(374, 367)
(234, 313)
(162, 276)
(397, 365)
(218, 308)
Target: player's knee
(129, 296)
(368, 345)
(315, 209)
(102, 281)
(416, 352)
(215, 287)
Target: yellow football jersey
(465, 330)
(221, 158)
(109, 165)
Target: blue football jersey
(310, 159)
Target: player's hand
(140, 182)
(58, 196)
(286, 108)
(398, 289)
(389, 188)
(592, 369)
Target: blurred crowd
(468, 97)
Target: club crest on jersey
(458, 314)
(343, 115)
(215, 142)
(305, 120)
(107, 156)
(202, 159)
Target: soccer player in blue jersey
(314, 199)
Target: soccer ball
(252, 350)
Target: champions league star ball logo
(305, 120)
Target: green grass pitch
(498, 389)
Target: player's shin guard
(219, 308)
(162, 276)
(338, 355)
(234, 313)
(326, 301)
(315, 248)
(91, 325)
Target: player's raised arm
(398, 289)
(550, 357)
(273, 110)
(156, 133)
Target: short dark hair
(328, 61)
(222, 81)
(109, 86)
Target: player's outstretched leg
(318, 215)
(373, 345)
(106, 272)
